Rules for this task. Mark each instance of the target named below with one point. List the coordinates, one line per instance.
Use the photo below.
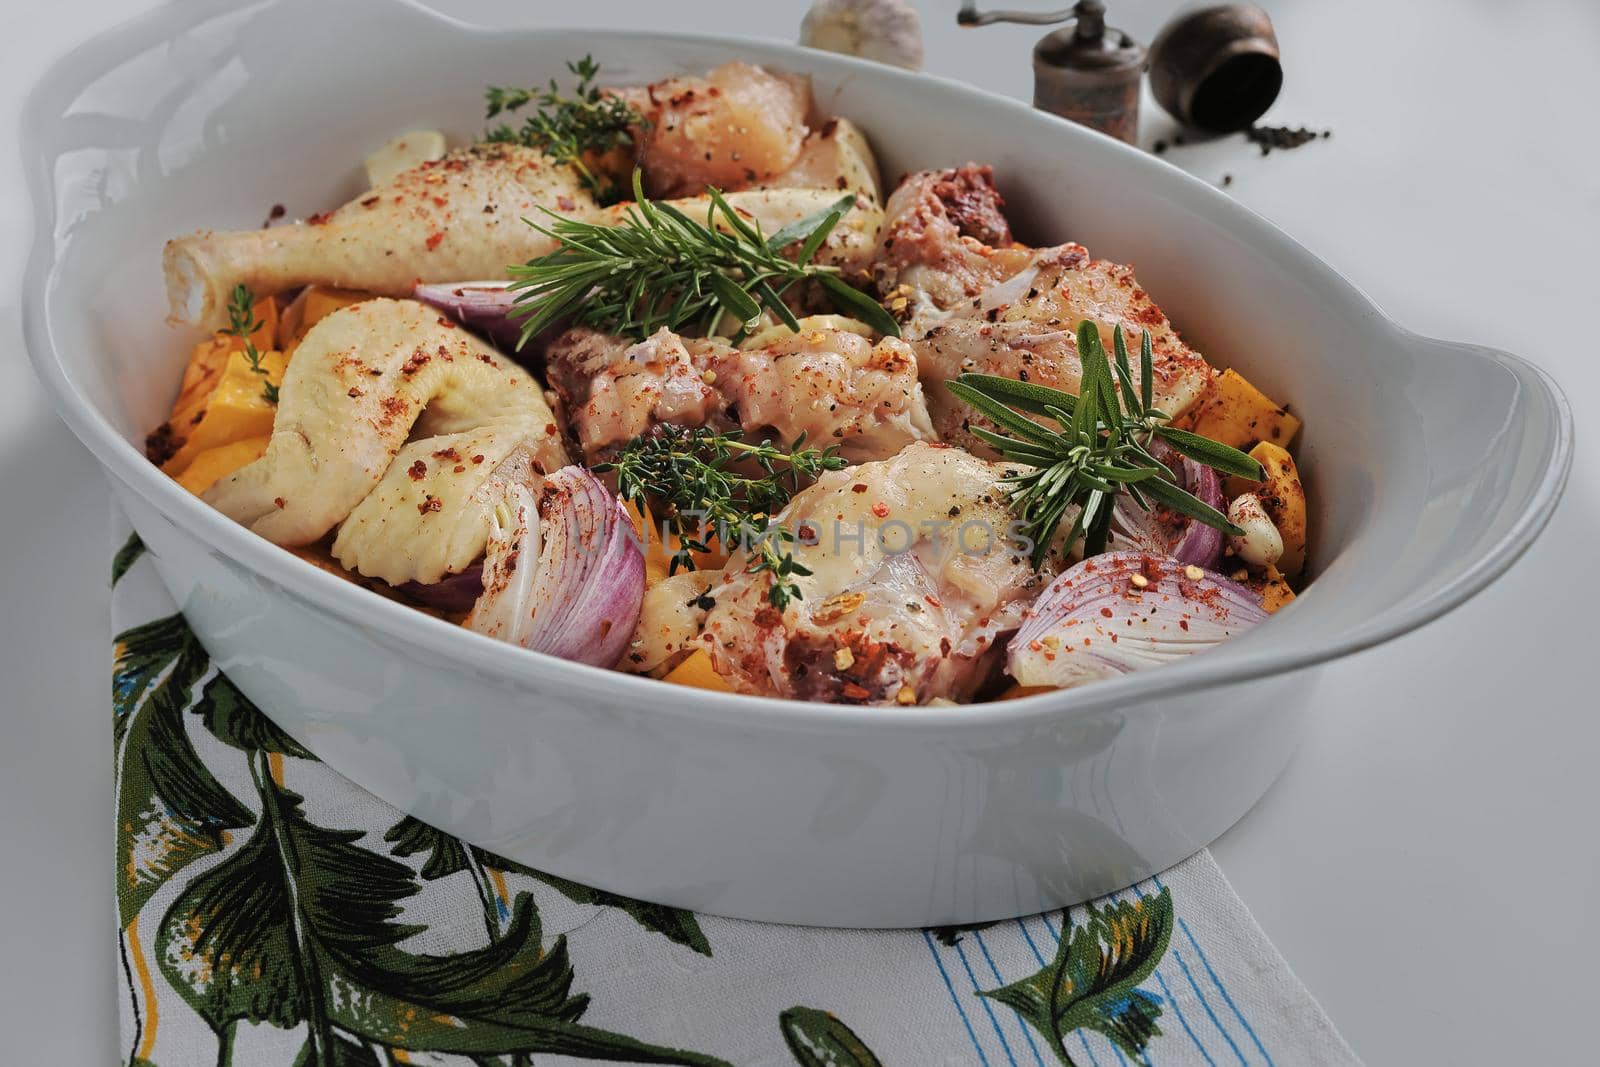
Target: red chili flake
(477, 459)
(279, 502)
(440, 201)
(355, 392)
(318, 220)
(370, 201)
(447, 453)
(859, 487)
(459, 468)
(1106, 612)
(418, 471)
(854, 691)
(434, 238)
(449, 324)
(1183, 624)
(880, 509)
(430, 504)
(417, 361)
(550, 429)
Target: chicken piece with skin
(977, 303)
(1024, 328)
(444, 220)
(730, 129)
(364, 382)
(828, 383)
(848, 246)
(915, 575)
(944, 238)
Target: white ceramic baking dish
(1431, 466)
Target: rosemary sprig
(566, 128)
(660, 267)
(242, 323)
(1101, 447)
(685, 473)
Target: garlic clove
(887, 31)
(1261, 545)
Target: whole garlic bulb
(888, 31)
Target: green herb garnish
(242, 323)
(564, 127)
(661, 268)
(685, 472)
(1101, 446)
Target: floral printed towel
(272, 913)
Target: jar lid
(1217, 68)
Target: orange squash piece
(214, 464)
(236, 408)
(696, 671)
(1238, 414)
(313, 305)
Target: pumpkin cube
(236, 408)
(214, 464)
(1238, 414)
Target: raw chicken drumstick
(442, 221)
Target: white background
(1429, 864)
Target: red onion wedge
(1163, 532)
(564, 574)
(481, 306)
(1120, 612)
(454, 593)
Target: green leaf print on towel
(447, 856)
(819, 1038)
(126, 557)
(1092, 982)
(171, 810)
(293, 923)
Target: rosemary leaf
(1101, 448)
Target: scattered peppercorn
(1284, 137)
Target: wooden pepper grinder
(1086, 72)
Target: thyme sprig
(568, 127)
(242, 323)
(1101, 446)
(685, 475)
(661, 268)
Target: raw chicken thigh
(909, 613)
(827, 382)
(974, 302)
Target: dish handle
(1496, 449)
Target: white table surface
(1428, 864)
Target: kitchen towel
(271, 913)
